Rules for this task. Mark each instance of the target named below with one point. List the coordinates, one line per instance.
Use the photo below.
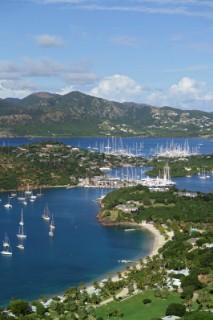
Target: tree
(201, 315)
(147, 301)
(188, 292)
(176, 309)
(130, 288)
(19, 307)
(40, 309)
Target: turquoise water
(81, 250)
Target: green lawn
(134, 309)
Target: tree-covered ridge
(134, 204)
(52, 163)
(78, 114)
(193, 165)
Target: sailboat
(22, 219)
(8, 205)
(13, 194)
(32, 197)
(6, 246)
(21, 197)
(51, 234)
(39, 194)
(46, 215)
(28, 191)
(52, 224)
(21, 245)
(21, 233)
(203, 174)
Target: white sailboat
(39, 194)
(21, 197)
(8, 205)
(13, 194)
(28, 191)
(52, 224)
(46, 215)
(51, 234)
(21, 233)
(22, 219)
(33, 197)
(6, 241)
(203, 174)
(21, 245)
(6, 246)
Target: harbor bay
(81, 249)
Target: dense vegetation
(77, 114)
(159, 207)
(143, 291)
(197, 164)
(187, 250)
(50, 164)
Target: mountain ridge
(79, 114)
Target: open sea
(81, 250)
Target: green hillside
(78, 114)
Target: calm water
(142, 146)
(81, 250)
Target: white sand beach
(159, 239)
(158, 242)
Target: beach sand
(158, 242)
(159, 239)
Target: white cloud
(118, 88)
(186, 94)
(16, 89)
(66, 90)
(48, 41)
(29, 75)
(41, 73)
(185, 86)
(124, 40)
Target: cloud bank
(30, 75)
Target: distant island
(76, 114)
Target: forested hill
(78, 114)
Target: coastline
(158, 242)
(159, 239)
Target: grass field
(133, 308)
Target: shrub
(146, 301)
(201, 315)
(19, 307)
(176, 309)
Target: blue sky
(158, 52)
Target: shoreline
(158, 242)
